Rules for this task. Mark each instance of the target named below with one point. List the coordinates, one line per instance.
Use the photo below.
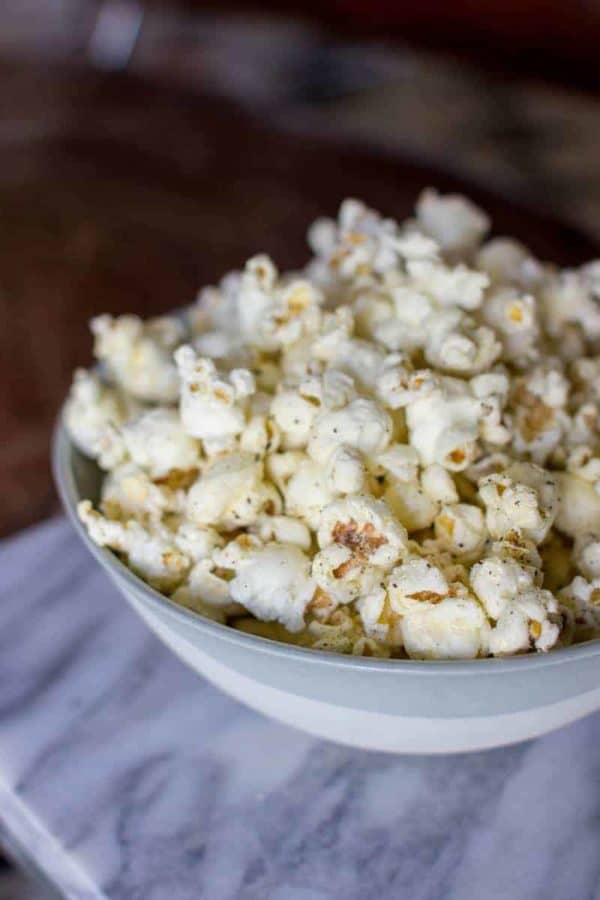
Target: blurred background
(146, 147)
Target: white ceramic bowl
(401, 706)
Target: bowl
(399, 706)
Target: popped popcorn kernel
(394, 451)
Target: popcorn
(582, 598)
(296, 315)
(523, 498)
(522, 549)
(586, 554)
(129, 492)
(444, 425)
(252, 294)
(400, 460)
(152, 554)
(362, 360)
(513, 316)
(260, 436)
(456, 286)
(584, 424)
(460, 528)
(539, 420)
(549, 384)
(398, 386)
(282, 465)
(332, 390)
(522, 611)
(204, 589)
(91, 407)
(393, 452)
(411, 505)
(425, 311)
(378, 621)
(525, 623)
(455, 572)
(294, 416)
(455, 628)
(363, 425)
(455, 223)
(346, 471)
(284, 530)
(215, 308)
(487, 464)
(231, 493)
(294, 410)
(308, 492)
(498, 580)
(360, 243)
(344, 575)
(273, 582)
(420, 593)
(492, 390)
(585, 376)
(572, 297)
(415, 582)
(138, 355)
(402, 318)
(212, 407)
(365, 527)
(582, 462)
(438, 484)
(197, 542)
(156, 442)
(458, 346)
(507, 261)
(272, 313)
(579, 506)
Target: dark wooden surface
(117, 195)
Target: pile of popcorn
(394, 452)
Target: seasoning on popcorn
(394, 452)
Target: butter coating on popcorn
(394, 452)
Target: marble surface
(123, 775)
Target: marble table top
(124, 775)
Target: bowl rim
(61, 450)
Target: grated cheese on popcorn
(394, 452)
